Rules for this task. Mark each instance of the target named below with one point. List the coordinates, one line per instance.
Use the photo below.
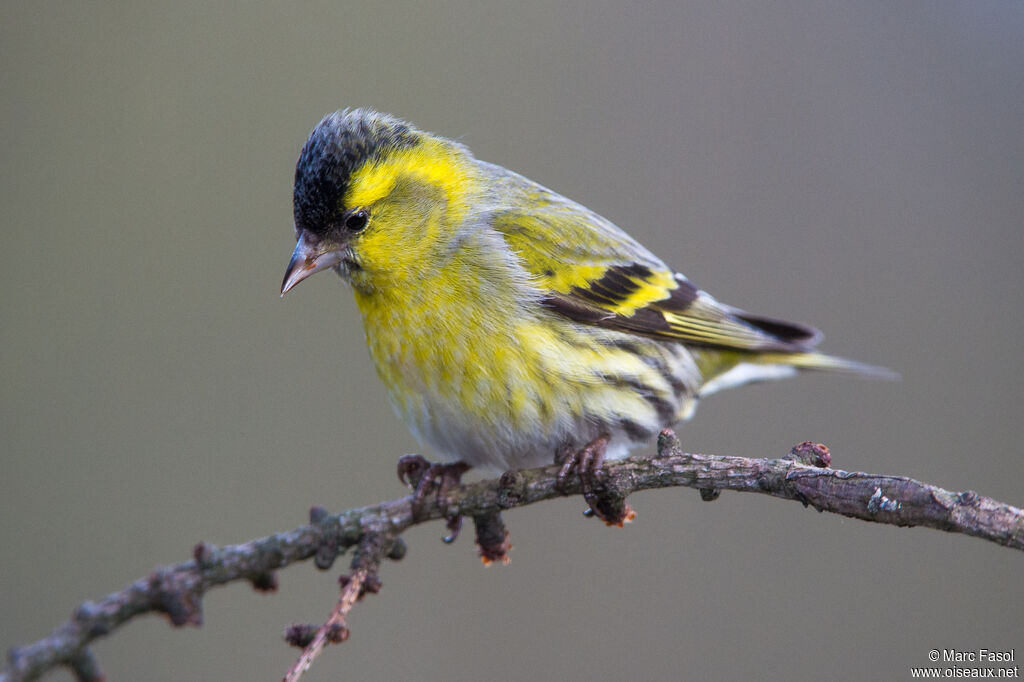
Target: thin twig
(334, 629)
(362, 580)
(177, 590)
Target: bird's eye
(357, 221)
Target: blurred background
(857, 166)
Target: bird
(512, 326)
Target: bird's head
(376, 199)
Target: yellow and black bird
(507, 321)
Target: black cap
(339, 145)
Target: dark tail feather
(800, 336)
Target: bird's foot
(587, 461)
(425, 478)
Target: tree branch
(804, 475)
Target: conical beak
(308, 259)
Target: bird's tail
(812, 360)
(726, 370)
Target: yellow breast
(481, 370)
(433, 347)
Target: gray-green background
(853, 165)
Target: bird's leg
(587, 461)
(604, 503)
(423, 477)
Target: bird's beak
(308, 259)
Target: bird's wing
(592, 272)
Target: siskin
(509, 323)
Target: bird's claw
(411, 469)
(424, 478)
(587, 462)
